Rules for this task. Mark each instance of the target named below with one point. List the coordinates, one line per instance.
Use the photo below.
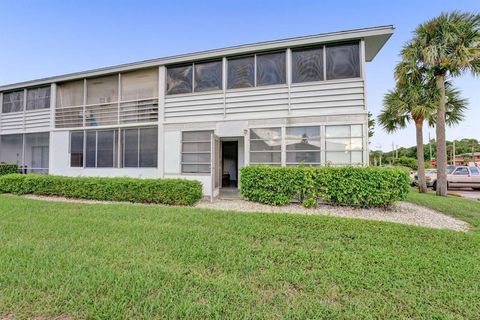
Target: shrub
(7, 168)
(164, 191)
(354, 186)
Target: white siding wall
(315, 98)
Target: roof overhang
(374, 39)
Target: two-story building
(199, 116)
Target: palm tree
(446, 46)
(417, 100)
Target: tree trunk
(441, 141)
(422, 184)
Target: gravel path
(403, 212)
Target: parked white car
(430, 177)
(461, 177)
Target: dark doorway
(229, 164)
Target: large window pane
(265, 157)
(307, 65)
(11, 149)
(38, 98)
(102, 90)
(130, 148)
(271, 69)
(266, 133)
(208, 76)
(303, 138)
(303, 157)
(76, 149)
(241, 73)
(91, 149)
(148, 147)
(343, 61)
(70, 94)
(13, 101)
(36, 152)
(196, 148)
(141, 84)
(106, 149)
(262, 145)
(344, 144)
(179, 80)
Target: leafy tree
(406, 162)
(445, 46)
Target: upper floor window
(70, 94)
(198, 77)
(102, 90)
(208, 76)
(13, 101)
(241, 72)
(38, 98)
(141, 84)
(271, 69)
(343, 61)
(180, 79)
(307, 65)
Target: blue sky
(47, 38)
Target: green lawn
(460, 208)
(133, 261)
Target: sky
(47, 38)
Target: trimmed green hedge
(7, 168)
(353, 186)
(164, 191)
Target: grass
(132, 261)
(460, 208)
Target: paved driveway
(466, 193)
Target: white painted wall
(172, 153)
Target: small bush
(7, 168)
(353, 186)
(164, 191)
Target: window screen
(241, 73)
(208, 76)
(307, 65)
(76, 149)
(148, 147)
(343, 61)
(38, 98)
(303, 145)
(102, 90)
(266, 146)
(130, 148)
(11, 149)
(271, 69)
(196, 151)
(91, 149)
(36, 152)
(179, 79)
(344, 144)
(106, 146)
(13, 101)
(70, 94)
(142, 84)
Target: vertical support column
(162, 79)
(24, 110)
(53, 105)
(283, 151)
(246, 148)
(289, 75)
(224, 85)
(84, 101)
(366, 153)
(118, 134)
(323, 146)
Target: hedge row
(353, 186)
(7, 168)
(164, 191)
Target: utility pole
(396, 151)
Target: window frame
(280, 151)
(23, 100)
(182, 152)
(348, 150)
(319, 151)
